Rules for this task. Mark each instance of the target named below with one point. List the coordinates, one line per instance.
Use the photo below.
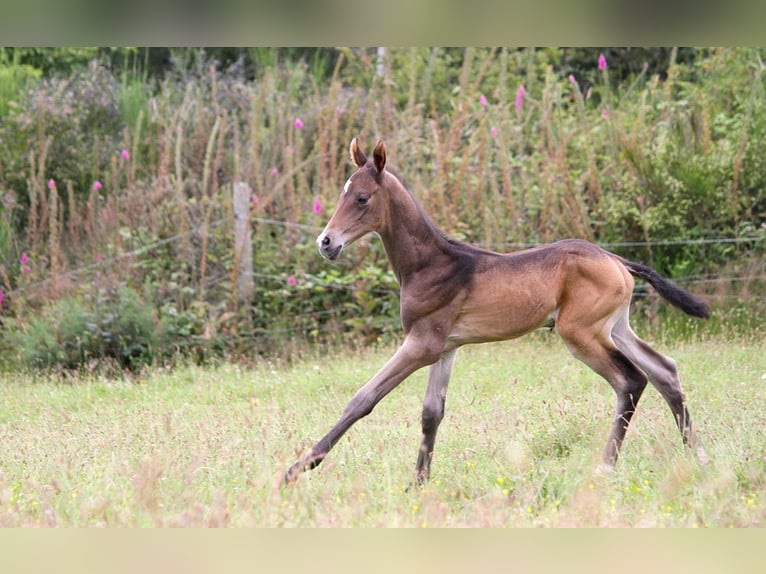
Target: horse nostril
(325, 241)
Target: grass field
(523, 434)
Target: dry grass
(522, 437)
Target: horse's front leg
(412, 355)
(433, 411)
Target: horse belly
(499, 318)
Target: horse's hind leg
(628, 382)
(433, 411)
(661, 371)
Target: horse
(453, 294)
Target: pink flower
(254, 201)
(493, 132)
(292, 281)
(572, 79)
(339, 110)
(24, 261)
(2, 298)
(605, 113)
(317, 206)
(298, 123)
(97, 185)
(51, 184)
(483, 100)
(124, 154)
(601, 62)
(273, 172)
(520, 93)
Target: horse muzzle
(327, 249)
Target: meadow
(519, 446)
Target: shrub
(106, 325)
(74, 124)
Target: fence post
(243, 244)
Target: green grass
(523, 434)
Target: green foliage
(14, 81)
(658, 162)
(73, 125)
(106, 325)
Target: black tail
(673, 294)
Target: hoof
(417, 484)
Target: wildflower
(493, 132)
(572, 79)
(601, 62)
(2, 298)
(292, 281)
(298, 123)
(24, 262)
(605, 113)
(273, 172)
(339, 110)
(317, 206)
(51, 184)
(97, 185)
(483, 100)
(520, 93)
(124, 154)
(254, 201)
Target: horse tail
(672, 293)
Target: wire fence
(641, 290)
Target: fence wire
(641, 290)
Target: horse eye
(362, 200)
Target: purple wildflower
(601, 62)
(125, 154)
(51, 183)
(493, 132)
(520, 93)
(298, 123)
(24, 262)
(317, 206)
(483, 100)
(97, 185)
(292, 281)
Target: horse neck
(411, 241)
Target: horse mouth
(331, 254)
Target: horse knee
(432, 417)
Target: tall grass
(523, 434)
(657, 159)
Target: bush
(107, 325)
(74, 124)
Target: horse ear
(379, 156)
(357, 155)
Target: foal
(453, 294)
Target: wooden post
(243, 243)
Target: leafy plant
(105, 325)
